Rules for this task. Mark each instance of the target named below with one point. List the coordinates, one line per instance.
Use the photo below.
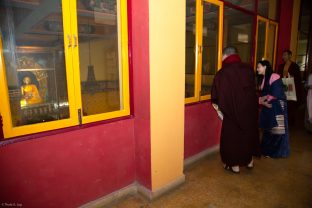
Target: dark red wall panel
(284, 33)
(139, 24)
(202, 128)
(70, 169)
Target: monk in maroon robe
(234, 94)
(284, 70)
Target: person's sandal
(250, 165)
(229, 168)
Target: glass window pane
(268, 8)
(261, 40)
(190, 48)
(99, 54)
(210, 46)
(301, 58)
(246, 4)
(32, 35)
(271, 43)
(238, 32)
(263, 7)
(303, 35)
(273, 9)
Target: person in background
(234, 97)
(286, 69)
(273, 114)
(308, 117)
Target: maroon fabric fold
(231, 59)
(234, 91)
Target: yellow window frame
(8, 129)
(69, 14)
(123, 47)
(268, 22)
(198, 52)
(275, 42)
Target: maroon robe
(234, 91)
(294, 71)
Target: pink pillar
(284, 34)
(138, 19)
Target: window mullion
(71, 48)
(199, 45)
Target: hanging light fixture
(91, 81)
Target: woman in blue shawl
(273, 115)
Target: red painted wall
(284, 33)
(69, 169)
(139, 38)
(73, 168)
(202, 128)
(1, 130)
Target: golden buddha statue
(30, 93)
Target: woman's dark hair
(268, 73)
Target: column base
(133, 189)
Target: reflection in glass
(237, 32)
(32, 36)
(99, 54)
(263, 7)
(246, 4)
(210, 46)
(261, 41)
(190, 48)
(268, 8)
(303, 36)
